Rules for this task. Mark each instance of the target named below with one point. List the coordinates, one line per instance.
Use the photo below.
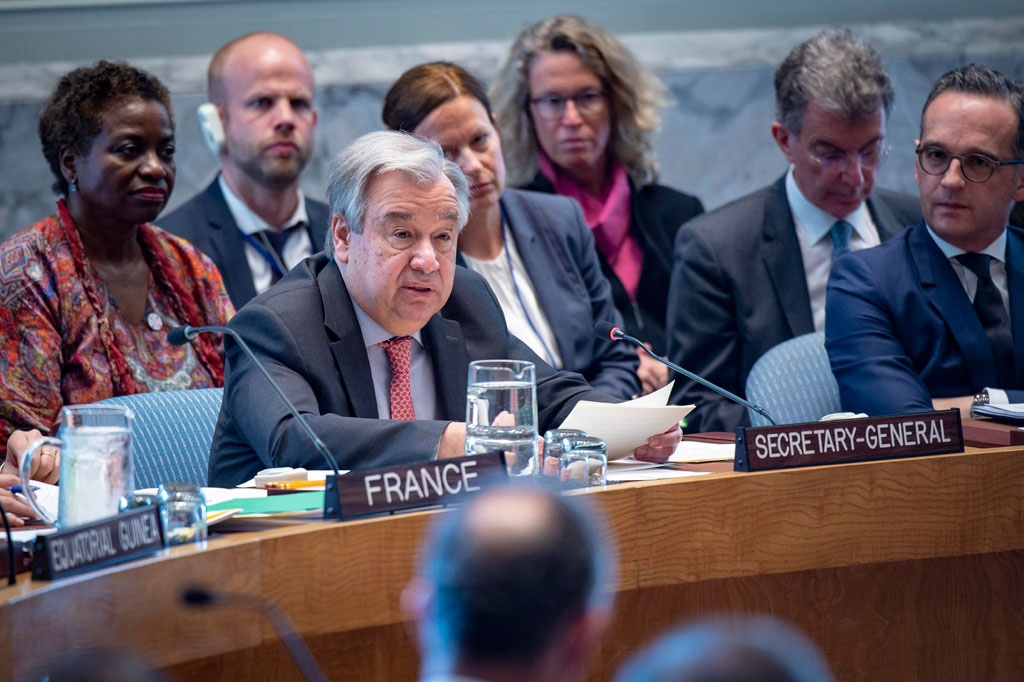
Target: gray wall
(81, 30)
(714, 141)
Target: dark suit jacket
(657, 214)
(558, 251)
(305, 332)
(738, 289)
(1017, 215)
(206, 221)
(900, 329)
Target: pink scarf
(608, 217)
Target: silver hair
(382, 152)
(837, 71)
(635, 96)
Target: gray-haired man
(752, 274)
(372, 339)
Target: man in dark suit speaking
(253, 220)
(752, 273)
(372, 338)
(936, 316)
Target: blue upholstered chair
(794, 382)
(171, 434)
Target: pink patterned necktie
(399, 350)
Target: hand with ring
(45, 464)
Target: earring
(72, 187)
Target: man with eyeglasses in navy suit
(934, 319)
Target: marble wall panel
(714, 142)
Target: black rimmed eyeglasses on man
(974, 167)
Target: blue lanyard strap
(519, 296)
(262, 250)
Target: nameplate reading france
(848, 440)
(418, 485)
(128, 535)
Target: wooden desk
(900, 570)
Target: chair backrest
(794, 382)
(171, 434)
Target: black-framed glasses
(831, 158)
(974, 167)
(587, 103)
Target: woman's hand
(15, 507)
(45, 463)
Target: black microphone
(12, 577)
(607, 330)
(181, 335)
(197, 595)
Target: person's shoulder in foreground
(729, 648)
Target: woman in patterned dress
(87, 295)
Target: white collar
(815, 223)
(247, 220)
(372, 332)
(997, 249)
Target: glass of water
(184, 512)
(501, 413)
(583, 463)
(554, 446)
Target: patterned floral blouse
(51, 353)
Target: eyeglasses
(974, 167)
(833, 159)
(587, 103)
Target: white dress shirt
(295, 249)
(421, 371)
(499, 277)
(813, 232)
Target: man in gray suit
(752, 273)
(253, 220)
(372, 339)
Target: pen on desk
(18, 490)
(288, 485)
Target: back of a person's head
(509, 571)
(730, 649)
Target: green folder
(291, 503)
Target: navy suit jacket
(206, 221)
(558, 252)
(739, 289)
(305, 332)
(900, 329)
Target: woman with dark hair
(87, 295)
(577, 111)
(534, 250)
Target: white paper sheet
(696, 451)
(626, 426)
(651, 474)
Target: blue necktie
(841, 231)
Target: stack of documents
(1013, 412)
